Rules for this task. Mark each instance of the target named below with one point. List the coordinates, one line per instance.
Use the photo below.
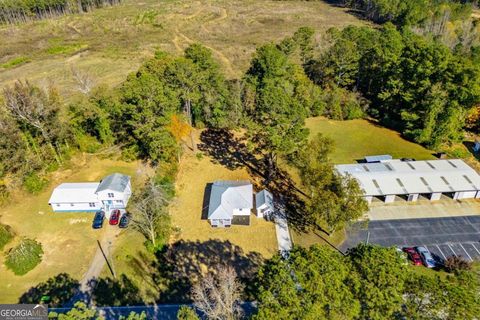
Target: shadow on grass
(59, 290)
(206, 201)
(177, 267)
(233, 153)
(115, 292)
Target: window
(92, 204)
(71, 205)
(110, 195)
(119, 201)
(58, 204)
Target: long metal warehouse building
(410, 179)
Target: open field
(109, 43)
(67, 238)
(355, 139)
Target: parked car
(124, 220)
(413, 255)
(98, 220)
(426, 256)
(114, 217)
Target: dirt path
(104, 248)
(180, 37)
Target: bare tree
(218, 296)
(84, 81)
(149, 208)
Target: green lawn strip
(355, 139)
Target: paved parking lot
(444, 237)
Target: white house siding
(242, 212)
(76, 207)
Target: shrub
(15, 62)
(24, 257)
(34, 183)
(6, 235)
(454, 263)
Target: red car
(114, 217)
(413, 255)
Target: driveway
(445, 237)
(104, 248)
(283, 234)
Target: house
(264, 204)
(113, 192)
(231, 202)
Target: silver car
(426, 256)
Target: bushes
(24, 257)
(6, 235)
(34, 183)
(454, 264)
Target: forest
(15, 11)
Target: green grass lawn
(355, 139)
(67, 239)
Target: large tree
(331, 199)
(278, 98)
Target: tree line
(413, 84)
(15, 11)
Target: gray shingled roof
(226, 196)
(115, 182)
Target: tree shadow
(206, 201)
(115, 292)
(182, 264)
(60, 289)
(232, 152)
(470, 147)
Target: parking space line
(473, 245)
(465, 252)
(441, 252)
(454, 253)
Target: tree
(150, 214)
(218, 296)
(282, 96)
(36, 112)
(331, 198)
(310, 284)
(187, 313)
(378, 280)
(80, 311)
(180, 129)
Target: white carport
(430, 178)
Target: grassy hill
(109, 43)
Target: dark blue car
(98, 220)
(124, 220)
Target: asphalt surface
(444, 237)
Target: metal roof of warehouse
(411, 177)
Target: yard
(68, 240)
(355, 139)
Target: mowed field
(68, 240)
(355, 139)
(109, 43)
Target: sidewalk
(283, 234)
(424, 209)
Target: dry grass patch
(186, 212)
(68, 240)
(119, 38)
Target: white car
(426, 256)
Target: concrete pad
(402, 209)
